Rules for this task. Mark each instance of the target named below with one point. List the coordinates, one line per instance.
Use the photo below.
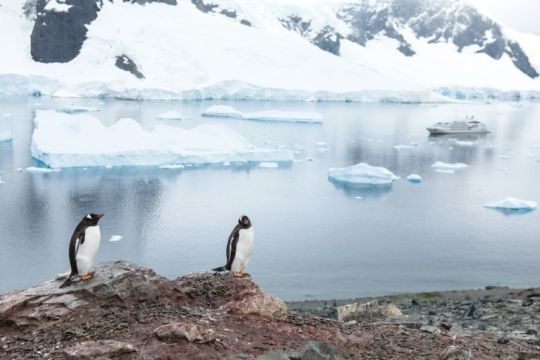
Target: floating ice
(81, 140)
(42, 170)
(222, 111)
(6, 135)
(362, 174)
(285, 116)
(358, 197)
(414, 178)
(465, 143)
(513, 204)
(1, 181)
(116, 238)
(270, 115)
(172, 166)
(448, 168)
(171, 115)
(74, 109)
(269, 165)
(403, 147)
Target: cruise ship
(466, 126)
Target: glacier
(512, 204)
(362, 174)
(63, 140)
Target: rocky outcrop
(129, 312)
(209, 7)
(125, 63)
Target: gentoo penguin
(239, 248)
(83, 247)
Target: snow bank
(511, 203)
(64, 140)
(222, 111)
(6, 135)
(171, 115)
(362, 174)
(285, 116)
(270, 115)
(443, 167)
(414, 178)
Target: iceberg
(171, 115)
(1, 181)
(512, 204)
(267, 164)
(362, 174)
(448, 168)
(222, 111)
(6, 135)
(116, 238)
(403, 147)
(414, 178)
(74, 109)
(310, 117)
(41, 170)
(63, 140)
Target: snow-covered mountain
(358, 50)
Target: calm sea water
(313, 239)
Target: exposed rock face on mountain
(129, 312)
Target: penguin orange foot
(87, 276)
(238, 274)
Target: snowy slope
(232, 49)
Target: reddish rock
(97, 349)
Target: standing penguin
(239, 248)
(83, 247)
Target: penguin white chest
(88, 249)
(244, 246)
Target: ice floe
(448, 168)
(266, 164)
(269, 115)
(512, 204)
(414, 178)
(81, 140)
(116, 238)
(285, 116)
(362, 174)
(41, 170)
(171, 115)
(74, 109)
(222, 111)
(6, 135)
(2, 181)
(464, 143)
(172, 166)
(403, 147)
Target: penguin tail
(221, 268)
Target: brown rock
(258, 303)
(191, 332)
(101, 348)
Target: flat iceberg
(362, 174)
(512, 204)
(285, 116)
(80, 140)
(222, 111)
(41, 170)
(266, 164)
(74, 109)
(116, 238)
(448, 168)
(172, 166)
(171, 115)
(414, 178)
(6, 135)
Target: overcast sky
(522, 15)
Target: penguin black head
(244, 221)
(91, 219)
